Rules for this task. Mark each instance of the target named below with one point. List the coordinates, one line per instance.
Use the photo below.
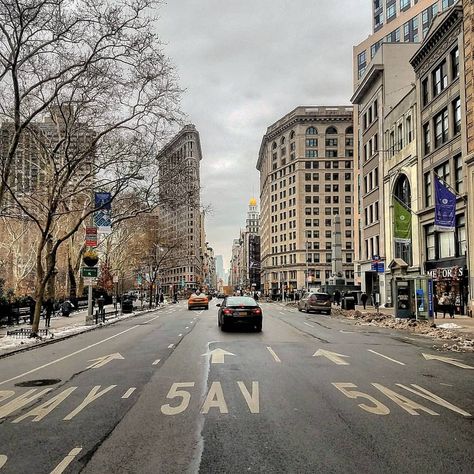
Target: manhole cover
(38, 383)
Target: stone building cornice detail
(438, 41)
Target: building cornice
(375, 71)
(443, 31)
(173, 143)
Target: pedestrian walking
(100, 305)
(162, 298)
(66, 308)
(363, 298)
(337, 298)
(49, 308)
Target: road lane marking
(185, 396)
(156, 362)
(150, 320)
(272, 352)
(333, 356)
(217, 355)
(281, 312)
(448, 360)
(101, 361)
(377, 408)
(252, 399)
(47, 407)
(93, 395)
(171, 346)
(21, 401)
(307, 324)
(433, 398)
(129, 391)
(180, 335)
(60, 468)
(70, 355)
(386, 357)
(403, 402)
(3, 460)
(215, 399)
(187, 327)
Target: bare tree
(94, 71)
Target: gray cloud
(246, 63)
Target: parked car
(315, 301)
(220, 296)
(198, 300)
(239, 310)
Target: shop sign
(445, 273)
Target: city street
(169, 392)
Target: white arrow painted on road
(101, 361)
(217, 355)
(334, 356)
(448, 360)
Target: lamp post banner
(401, 222)
(102, 218)
(445, 207)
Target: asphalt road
(156, 394)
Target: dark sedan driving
(237, 310)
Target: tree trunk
(72, 290)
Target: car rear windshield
(321, 296)
(240, 301)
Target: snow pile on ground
(458, 342)
(449, 326)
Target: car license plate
(242, 313)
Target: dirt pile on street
(457, 342)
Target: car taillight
(227, 311)
(257, 311)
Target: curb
(68, 336)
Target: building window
(428, 190)
(311, 131)
(457, 115)
(446, 245)
(439, 79)
(331, 131)
(408, 129)
(430, 242)
(405, 4)
(461, 236)
(447, 3)
(458, 174)
(441, 124)
(331, 141)
(311, 153)
(391, 12)
(393, 37)
(455, 63)
(331, 153)
(425, 93)
(426, 138)
(442, 171)
(312, 142)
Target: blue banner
(102, 217)
(445, 207)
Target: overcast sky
(245, 64)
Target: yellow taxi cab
(198, 300)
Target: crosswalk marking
(156, 362)
(171, 346)
(307, 324)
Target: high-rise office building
(306, 178)
(396, 21)
(179, 179)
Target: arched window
(311, 131)
(274, 145)
(292, 135)
(349, 131)
(331, 131)
(282, 140)
(402, 192)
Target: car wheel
(207, 307)
(300, 309)
(223, 326)
(189, 308)
(258, 327)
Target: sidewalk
(61, 328)
(465, 323)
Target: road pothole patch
(38, 383)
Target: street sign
(89, 272)
(90, 281)
(91, 236)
